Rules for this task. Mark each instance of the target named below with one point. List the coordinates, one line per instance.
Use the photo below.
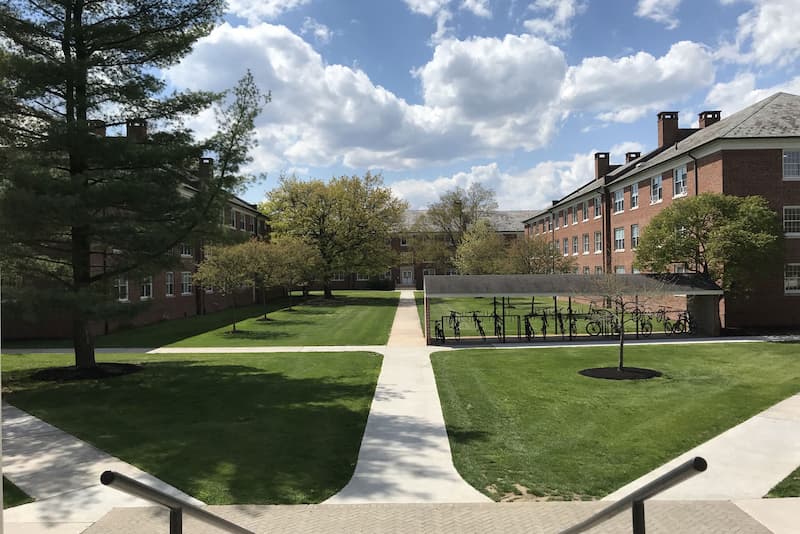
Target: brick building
(755, 151)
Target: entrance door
(407, 277)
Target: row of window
(619, 241)
(146, 286)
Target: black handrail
(176, 506)
(636, 499)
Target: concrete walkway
(63, 474)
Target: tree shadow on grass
(222, 433)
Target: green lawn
(352, 318)
(788, 487)
(12, 495)
(525, 416)
(250, 428)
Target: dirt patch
(614, 373)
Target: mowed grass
(12, 495)
(788, 487)
(526, 417)
(251, 428)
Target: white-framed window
(549, 224)
(791, 165)
(146, 289)
(121, 288)
(338, 277)
(598, 242)
(169, 282)
(655, 189)
(186, 283)
(679, 181)
(387, 275)
(791, 221)
(584, 210)
(619, 269)
(404, 241)
(680, 268)
(565, 244)
(241, 221)
(186, 250)
(619, 238)
(791, 279)
(360, 277)
(428, 272)
(634, 196)
(575, 270)
(634, 235)
(574, 245)
(233, 218)
(575, 214)
(451, 272)
(598, 270)
(619, 200)
(587, 270)
(635, 271)
(586, 244)
(597, 209)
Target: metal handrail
(176, 505)
(636, 498)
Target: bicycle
(644, 323)
(498, 327)
(439, 332)
(478, 325)
(684, 324)
(529, 335)
(456, 328)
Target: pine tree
(77, 208)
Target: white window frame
(598, 269)
(549, 224)
(634, 195)
(233, 218)
(338, 276)
(619, 269)
(656, 185)
(598, 210)
(619, 242)
(634, 236)
(791, 221)
(169, 284)
(587, 269)
(575, 214)
(404, 241)
(146, 288)
(584, 211)
(186, 283)
(679, 188)
(791, 279)
(565, 244)
(791, 163)
(386, 275)
(619, 200)
(429, 272)
(586, 244)
(186, 250)
(575, 245)
(119, 283)
(598, 242)
(362, 277)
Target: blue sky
(514, 94)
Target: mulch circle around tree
(627, 373)
(102, 370)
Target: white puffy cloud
(479, 8)
(556, 25)
(741, 91)
(662, 11)
(767, 34)
(322, 34)
(255, 11)
(625, 89)
(426, 7)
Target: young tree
(457, 210)
(536, 255)
(69, 196)
(482, 250)
(227, 269)
(722, 237)
(297, 262)
(347, 220)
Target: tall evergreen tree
(77, 208)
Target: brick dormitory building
(755, 151)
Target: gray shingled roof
(568, 285)
(501, 220)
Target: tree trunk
(234, 327)
(328, 292)
(83, 341)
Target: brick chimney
(136, 130)
(97, 128)
(667, 128)
(602, 164)
(630, 156)
(707, 118)
(205, 169)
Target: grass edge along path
(524, 421)
(13, 496)
(280, 428)
(788, 487)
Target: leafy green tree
(457, 210)
(536, 255)
(482, 250)
(69, 196)
(722, 237)
(347, 220)
(297, 262)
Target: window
(597, 209)
(619, 200)
(186, 250)
(585, 243)
(634, 196)
(679, 184)
(575, 214)
(146, 290)
(584, 211)
(655, 189)
(566, 246)
(338, 277)
(403, 241)
(186, 283)
(233, 219)
(598, 242)
(574, 245)
(241, 221)
(549, 224)
(634, 235)
(791, 278)
(121, 287)
(680, 268)
(791, 220)
(619, 238)
(451, 272)
(426, 272)
(791, 165)
(619, 269)
(635, 271)
(387, 275)
(170, 283)
(361, 277)
(587, 270)
(598, 270)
